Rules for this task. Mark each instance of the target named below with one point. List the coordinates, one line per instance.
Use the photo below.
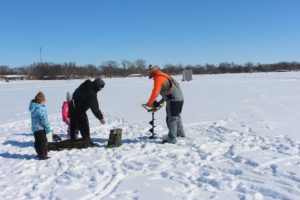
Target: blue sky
(158, 31)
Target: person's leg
(167, 121)
(172, 125)
(73, 122)
(40, 144)
(83, 125)
(76, 133)
(175, 109)
(69, 132)
(36, 143)
(180, 131)
(172, 121)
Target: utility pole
(41, 60)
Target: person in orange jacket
(171, 93)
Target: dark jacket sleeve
(93, 104)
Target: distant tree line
(223, 68)
(124, 68)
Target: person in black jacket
(85, 97)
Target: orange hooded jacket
(159, 79)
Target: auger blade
(151, 130)
(153, 136)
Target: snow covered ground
(243, 142)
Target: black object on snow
(69, 144)
(115, 138)
(56, 138)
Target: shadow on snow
(18, 143)
(18, 156)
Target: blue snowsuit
(39, 117)
(40, 127)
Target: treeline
(71, 70)
(223, 68)
(125, 68)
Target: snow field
(239, 152)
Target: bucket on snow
(115, 138)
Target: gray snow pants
(174, 121)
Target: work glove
(102, 121)
(156, 104)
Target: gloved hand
(102, 121)
(156, 104)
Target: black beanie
(99, 83)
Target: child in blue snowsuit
(39, 124)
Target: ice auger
(152, 110)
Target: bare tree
(141, 66)
(5, 70)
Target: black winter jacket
(85, 97)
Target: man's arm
(93, 104)
(155, 91)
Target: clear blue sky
(158, 31)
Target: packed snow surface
(243, 142)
